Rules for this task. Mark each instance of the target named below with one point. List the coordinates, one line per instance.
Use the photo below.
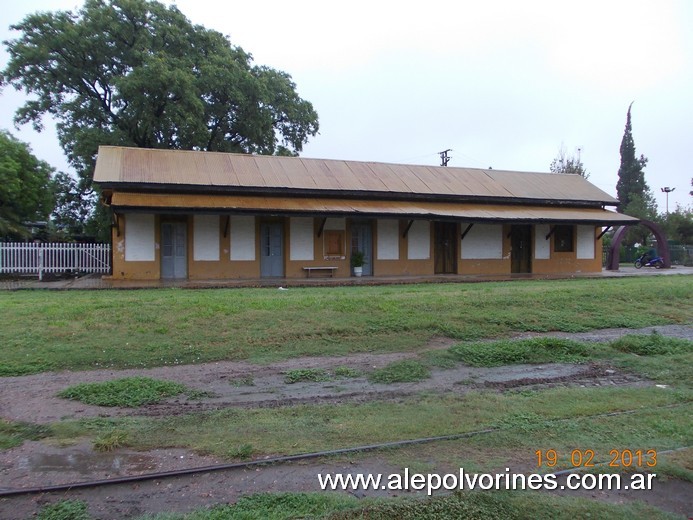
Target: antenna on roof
(444, 157)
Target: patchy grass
(300, 375)
(471, 505)
(305, 428)
(652, 345)
(81, 330)
(15, 433)
(65, 510)
(514, 352)
(129, 392)
(406, 371)
(319, 375)
(110, 441)
(242, 381)
(274, 506)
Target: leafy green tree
(564, 163)
(139, 73)
(26, 191)
(632, 190)
(678, 225)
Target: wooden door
(445, 248)
(521, 249)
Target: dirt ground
(33, 399)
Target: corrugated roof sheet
(390, 208)
(180, 169)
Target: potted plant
(357, 261)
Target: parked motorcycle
(644, 260)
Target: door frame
(365, 224)
(174, 220)
(281, 225)
(444, 253)
(520, 256)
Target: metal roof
(303, 206)
(180, 171)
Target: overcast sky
(502, 83)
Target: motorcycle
(644, 260)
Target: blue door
(174, 251)
(272, 250)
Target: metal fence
(28, 258)
(680, 254)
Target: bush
(128, 391)
(400, 372)
(516, 352)
(652, 345)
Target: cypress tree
(631, 185)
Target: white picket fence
(27, 258)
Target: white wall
(139, 238)
(301, 238)
(206, 238)
(483, 241)
(242, 238)
(542, 247)
(388, 240)
(419, 240)
(585, 242)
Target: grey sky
(502, 83)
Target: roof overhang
(471, 212)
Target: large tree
(139, 73)
(26, 190)
(633, 192)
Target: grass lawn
(82, 330)
(87, 330)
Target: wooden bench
(330, 270)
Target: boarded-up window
(419, 241)
(563, 239)
(334, 244)
(206, 238)
(585, 242)
(542, 247)
(483, 241)
(242, 238)
(139, 238)
(301, 244)
(388, 240)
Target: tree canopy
(26, 193)
(565, 163)
(139, 73)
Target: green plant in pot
(357, 261)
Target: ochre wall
(225, 268)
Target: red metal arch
(662, 244)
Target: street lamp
(667, 190)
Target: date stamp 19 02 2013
(586, 458)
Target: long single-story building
(208, 215)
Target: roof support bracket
(227, 224)
(464, 233)
(553, 230)
(406, 230)
(322, 226)
(115, 223)
(603, 232)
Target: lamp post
(667, 190)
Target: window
(563, 239)
(334, 243)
